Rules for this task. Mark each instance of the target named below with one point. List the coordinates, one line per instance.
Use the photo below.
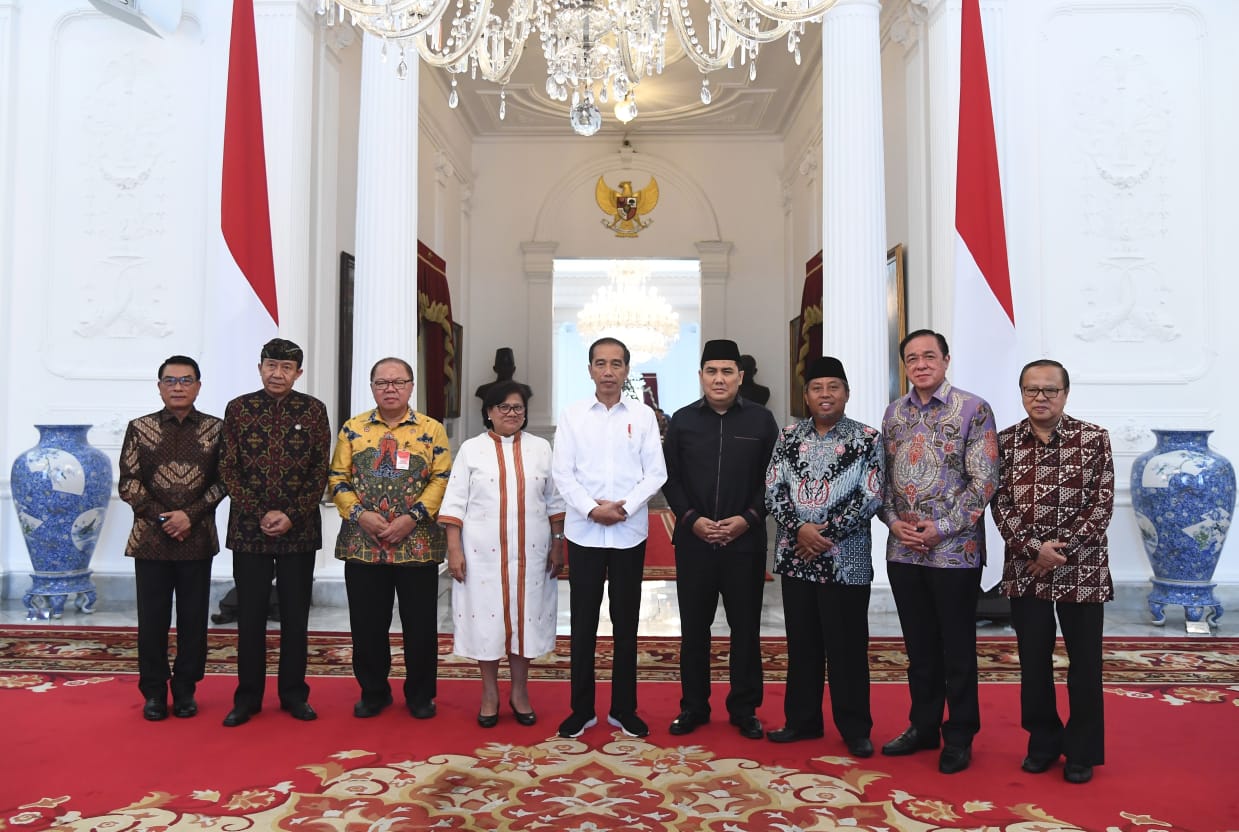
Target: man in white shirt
(607, 464)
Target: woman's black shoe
(524, 718)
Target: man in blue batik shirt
(823, 486)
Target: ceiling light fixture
(595, 50)
(629, 309)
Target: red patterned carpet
(80, 756)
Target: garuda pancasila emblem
(624, 208)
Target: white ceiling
(668, 104)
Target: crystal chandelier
(596, 50)
(629, 309)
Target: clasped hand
(175, 524)
(811, 541)
(920, 535)
(386, 531)
(720, 532)
(1049, 556)
(608, 512)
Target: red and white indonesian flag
(984, 357)
(242, 287)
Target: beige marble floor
(1127, 616)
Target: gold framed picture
(896, 318)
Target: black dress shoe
(859, 746)
(488, 720)
(954, 759)
(1038, 763)
(364, 710)
(790, 734)
(1076, 773)
(909, 742)
(686, 723)
(749, 726)
(239, 715)
(184, 708)
(522, 717)
(425, 710)
(299, 710)
(155, 709)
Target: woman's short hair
(498, 394)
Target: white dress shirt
(606, 453)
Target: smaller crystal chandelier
(595, 50)
(629, 309)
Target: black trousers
(1082, 740)
(827, 637)
(937, 612)
(157, 582)
(589, 568)
(294, 582)
(739, 577)
(372, 588)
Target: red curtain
(434, 308)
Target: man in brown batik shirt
(169, 475)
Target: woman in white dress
(505, 549)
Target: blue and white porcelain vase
(1183, 493)
(61, 489)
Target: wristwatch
(557, 536)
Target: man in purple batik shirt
(941, 471)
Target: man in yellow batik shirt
(388, 475)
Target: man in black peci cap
(716, 450)
(824, 486)
(274, 463)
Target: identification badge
(402, 460)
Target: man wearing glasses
(1052, 508)
(941, 472)
(169, 475)
(274, 464)
(388, 475)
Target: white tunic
(502, 496)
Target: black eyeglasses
(391, 383)
(173, 381)
(1048, 392)
(507, 409)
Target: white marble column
(8, 95)
(385, 281)
(325, 292)
(715, 257)
(942, 119)
(854, 326)
(285, 34)
(539, 265)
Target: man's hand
(729, 529)
(275, 523)
(811, 542)
(176, 524)
(918, 535)
(608, 512)
(397, 530)
(1048, 557)
(705, 529)
(372, 523)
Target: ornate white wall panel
(124, 228)
(1124, 162)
